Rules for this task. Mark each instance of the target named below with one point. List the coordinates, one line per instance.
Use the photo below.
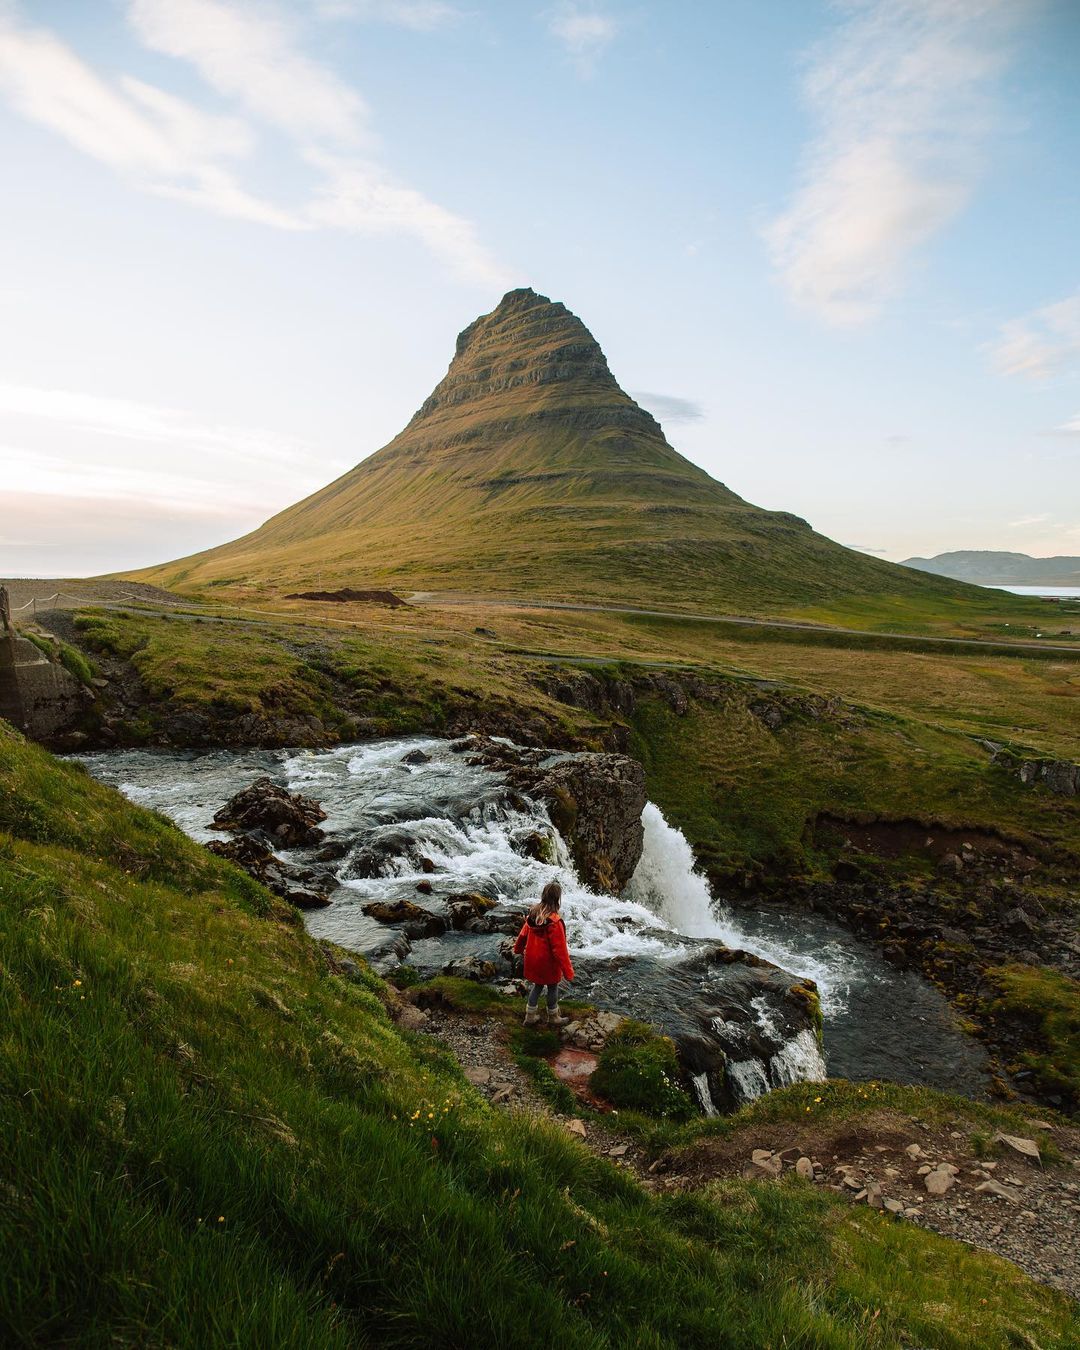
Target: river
(879, 1022)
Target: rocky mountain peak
(526, 340)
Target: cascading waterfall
(460, 819)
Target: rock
(577, 1127)
(409, 1017)
(303, 898)
(502, 1095)
(852, 1182)
(789, 1156)
(465, 906)
(1040, 1125)
(595, 802)
(478, 1074)
(1001, 1191)
(332, 851)
(471, 968)
(873, 1195)
(804, 1168)
(416, 757)
(419, 922)
(761, 1155)
(619, 1151)
(913, 1151)
(770, 1166)
(938, 1182)
(951, 862)
(893, 1206)
(424, 887)
(1025, 1148)
(291, 818)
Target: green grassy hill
(529, 471)
(212, 1137)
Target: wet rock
(595, 802)
(424, 887)
(289, 817)
(417, 756)
(418, 922)
(471, 968)
(303, 898)
(465, 908)
(332, 851)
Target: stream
(645, 953)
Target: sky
(833, 247)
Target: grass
(562, 489)
(210, 1138)
(639, 1071)
(1048, 1002)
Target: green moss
(1047, 1003)
(639, 1070)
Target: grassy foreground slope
(212, 1137)
(529, 472)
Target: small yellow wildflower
(76, 983)
(221, 1218)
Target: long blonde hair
(550, 898)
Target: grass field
(213, 1139)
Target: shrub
(639, 1071)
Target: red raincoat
(547, 960)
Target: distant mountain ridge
(990, 567)
(529, 471)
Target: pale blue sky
(832, 246)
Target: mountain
(988, 567)
(530, 471)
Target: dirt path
(1024, 1209)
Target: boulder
(471, 968)
(291, 819)
(417, 921)
(1023, 1148)
(938, 1181)
(416, 757)
(804, 1168)
(595, 802)
(465, 908)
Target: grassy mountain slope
(529, 471)
(211, 1137)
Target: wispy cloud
(1041, 344)
(159, 142)
(669, 407)
(251, 55)
(584, 31)
(1069, 428)
(1025, 521)
(902, 95)
(168, 146)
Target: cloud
(1041, 344)
(250, 55)
(166, 145)
(1025, 521)
(584, 31)
(419, 15)
(159, 142)
(866, 548)
(1069, 428)
(668, 407)
(902, 95)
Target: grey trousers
(552, 995)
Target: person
(547, 959)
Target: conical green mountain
(530, 472)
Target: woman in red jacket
(547, 960)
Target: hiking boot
(555, 1017)
(532, 1017)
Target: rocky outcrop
(290, 818)
(1060, 776)
(252, 853)
(595, 802)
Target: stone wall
(37, 696)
